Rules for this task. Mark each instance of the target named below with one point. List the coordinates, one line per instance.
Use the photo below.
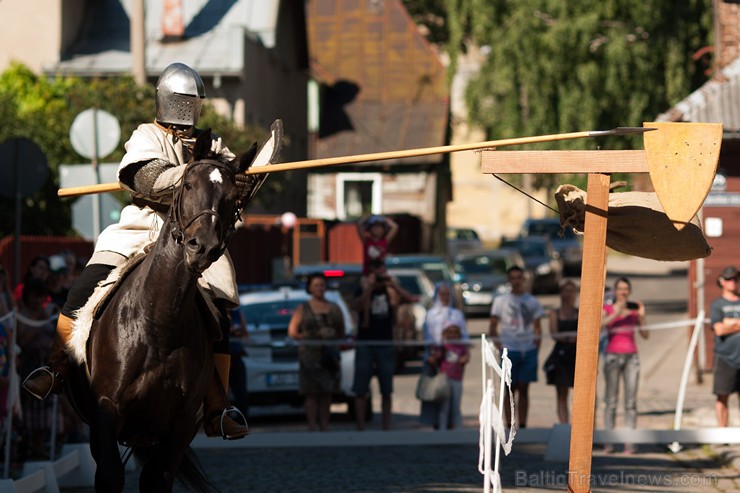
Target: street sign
(83, 213)
(95, 133)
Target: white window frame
(377, 191)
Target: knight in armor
(150, 169)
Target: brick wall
(728, 32)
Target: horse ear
(203, 144)
(245, 160)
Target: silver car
(272, 357)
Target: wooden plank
(564, 162)
(593, 276)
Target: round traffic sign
(22, 164)
(95, 133)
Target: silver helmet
(180, 94)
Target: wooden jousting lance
(382, 156)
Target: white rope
(8, 316)
(35, 323)
(491, 415)
(354, 342)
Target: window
(358, 194)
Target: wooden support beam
(593, 277)
(564, 162)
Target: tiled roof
(717, 101)
(386, 88)
(214, 36)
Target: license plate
(282, 379)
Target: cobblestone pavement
(450, 468)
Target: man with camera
(375, 302)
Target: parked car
(483, 277)
(461, 240)
(438, 268)
(541, 261)
(569, 246)
(272, 357)
(344, 278)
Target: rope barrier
(387, 342)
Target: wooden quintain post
(593, 276)
(681, 159)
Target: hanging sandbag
(637, 225)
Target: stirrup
(241, 420)
(55, 377)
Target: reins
(176, 221)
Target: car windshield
(481, 265)
(528, 248)
(435, 271)
(461, 234)
(409, 283)
(272, 313)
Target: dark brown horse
(149, 353)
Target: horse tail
(192, 475)
(190, 472)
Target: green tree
(560, 66)
(43, 108)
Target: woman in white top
(441, 314)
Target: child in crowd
(376, 233)
(450, 358)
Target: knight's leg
(48, 379)
(221, 418)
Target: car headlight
(477, 286)
(543, 269)
(464, 286)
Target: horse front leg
(109, 475)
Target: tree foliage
(43, 108)
(560, 66)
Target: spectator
(442, 313)
(55, 281)
(621, 318)
(724, 314)
(37, 269)
(73, 270)
(7, 300)
(450, 358)
(560, 366)
(373, 303)
(35, 337)
(238, 370)
(376, 233)
(515, 325)
(318, 319)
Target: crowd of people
(36, 299)
(515, 323)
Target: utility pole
(138, 44)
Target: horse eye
(188, 186)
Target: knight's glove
(245, 183)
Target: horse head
(207, 204)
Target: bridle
(175, 216)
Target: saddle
(96, 304)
